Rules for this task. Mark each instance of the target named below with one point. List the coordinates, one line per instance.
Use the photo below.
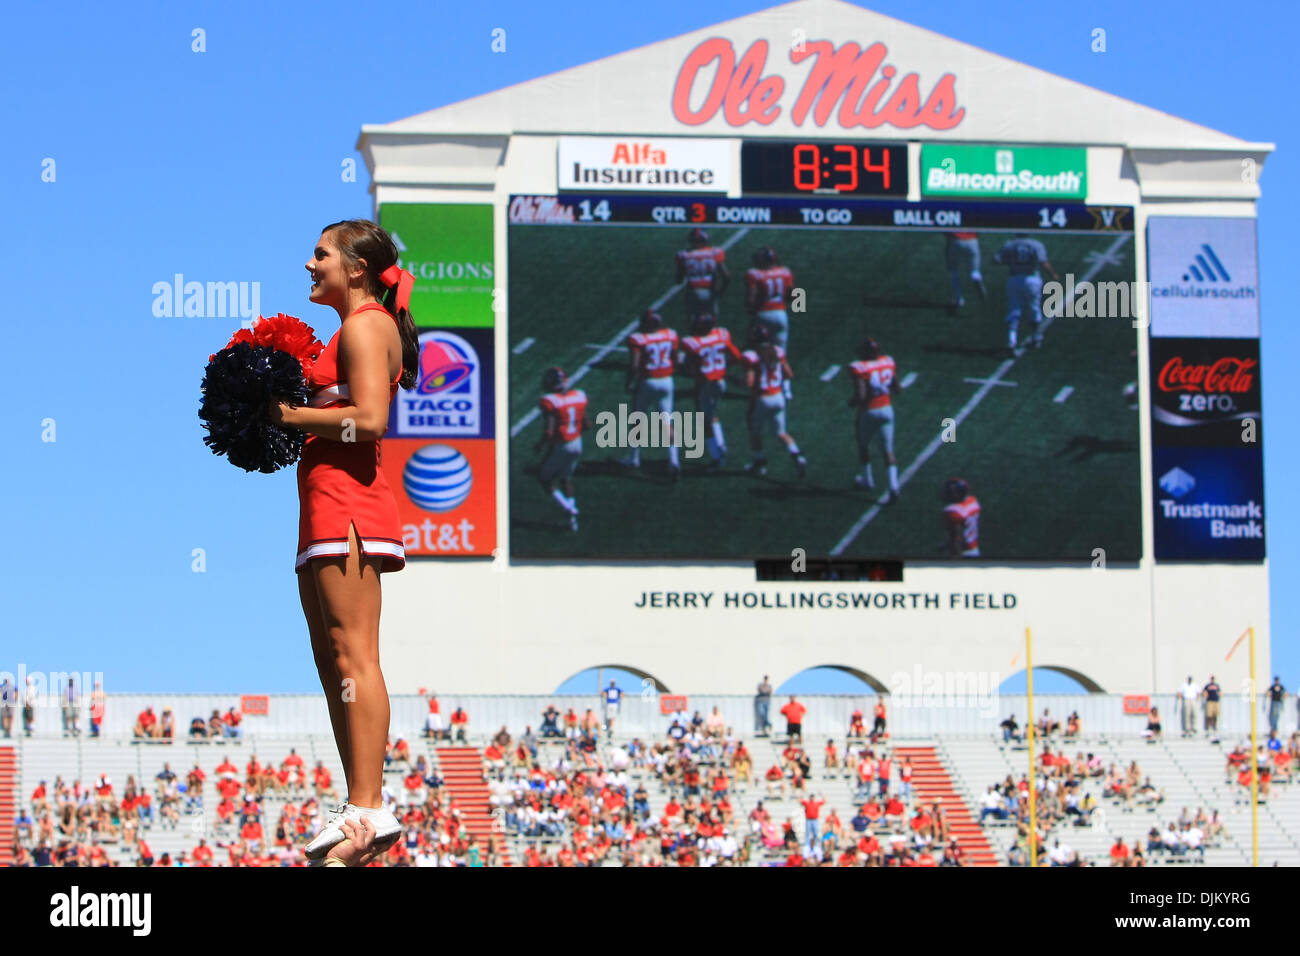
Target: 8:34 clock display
(823, 167)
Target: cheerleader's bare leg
(350, 603)
(330, 679)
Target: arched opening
(832, 679)
(628, 679)
(1051, 679)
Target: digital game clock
(823, 167)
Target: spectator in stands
(716, 725)
(613, 696)
(8, 704)
(1048, 725)
(1211, 693)
(762, 704)
(991, 805)
(167, 726)
(70, 709)
(775, 781)
(742, 764)
(1187, 697)
(30, 698)
(198, 729)
(230, 723)
(146, 724)
(433, 728)
(1073, 724)
(97, 704)
(216, 726)
(905, 772)
(1119, 852)
(878, 724)
(794, 713)
(1275, 697)
(460, 725)
(812, 807)
(550, 722)
(1010, 729)
(832, 759)
(1154, 729)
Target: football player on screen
(654, 351)
(766, 373)
(704, 357)
(769, 287)
(703, 267)
(961, 520)
(875, 383)
(1024, 257)
(962, 254)
(564, 419)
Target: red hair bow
(394, 275)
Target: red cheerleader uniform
(341, 483)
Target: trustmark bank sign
(820, 113)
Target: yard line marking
(524, 346)
(595, 345)
(1063, 394)
(619, 336)
(870, 514)
(981, 381)
(830, 373)
(908, 379)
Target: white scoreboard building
(1118, 468)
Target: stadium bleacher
(952, 770)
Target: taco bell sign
(447, 399)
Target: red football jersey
(772, 285)
(710, 353)
(569, 409)
(654, 353)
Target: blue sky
(224, 165)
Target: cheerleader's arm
(364, 342)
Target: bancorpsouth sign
(849, 85)
(1030, 172)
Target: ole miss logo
(868, 91)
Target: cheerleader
(349, 530)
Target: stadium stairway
(462, 774)
(9, 796)
(932, 784)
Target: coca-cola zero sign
(1205, 392)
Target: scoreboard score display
(1042, 433)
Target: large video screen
(860, 328)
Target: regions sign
(1013, 172)
(448, 248)
(1204, 277)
